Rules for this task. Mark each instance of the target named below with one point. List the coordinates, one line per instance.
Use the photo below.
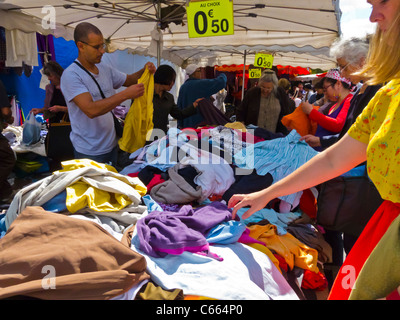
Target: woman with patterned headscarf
(336, 88)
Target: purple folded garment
(211, 115)
(120, 111)
(163, 232)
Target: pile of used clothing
(161, 228)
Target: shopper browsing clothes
(93, 133)
(55, 107)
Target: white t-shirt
(297, 102)
(91, 136)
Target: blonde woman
(374, 137)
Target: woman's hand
(256, 201)
(57, 108)
(307, 107)
(35, 111)
(312, 141)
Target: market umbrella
(296, 33)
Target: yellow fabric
(287, 246)
(151, 291)
(268, 252)
(81, 194)
(379, 127)
(81, 163)
(236, 125)
(139, 120)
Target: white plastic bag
(31, 130)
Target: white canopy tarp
(296, 32)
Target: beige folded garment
(47, 255)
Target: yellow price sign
(210, 18)
(254, 73)
(264, 60)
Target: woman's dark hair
(164, 74)
(53, 67)
(319, 84)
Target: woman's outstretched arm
(334, 161)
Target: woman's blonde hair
(284, 83)
(383, 61)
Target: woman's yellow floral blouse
(379, 127)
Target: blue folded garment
(57, 203)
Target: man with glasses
(89, 88)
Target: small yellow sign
(210, 18)
(264, 60)
(254, 73)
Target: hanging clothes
(46, 47)
(21, 48)
(139, 120)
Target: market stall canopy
(297, 33)
(292, 71)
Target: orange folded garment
(299, 121)
(287, 246)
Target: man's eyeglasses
(98, 47)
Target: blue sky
(355, 18)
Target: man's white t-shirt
(91, 136)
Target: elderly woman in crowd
(265, 105)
